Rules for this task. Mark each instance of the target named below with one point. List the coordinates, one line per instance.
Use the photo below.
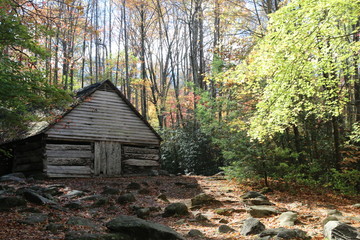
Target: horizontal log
(81, 170)
(128, 149)
(69, 154)
(110, 115)
(62, 175)
(142, 156)
(141, 163)
(68, 147)
(94, 136)
(119, 122)
(130, 133)
(69, 161)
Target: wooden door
(107, 160)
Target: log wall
(140, 160)
(69, 160)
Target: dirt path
(310, 206)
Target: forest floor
(310, 204)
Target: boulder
(140, 229)
(7, 203)
(34, 218)
(178, 209)
(257, 201)
(202, 199)
(144, 191)
(143, 212)
(357, 205)
(252, 226)
(334, 212)
(262, 211)
(13, 177)
(133, 186)
(200, 218)
(328, 219)
(79, 235)
(195, 233)
(224, 211)
(126, 198)
(287, 219)
(110, 191)
(55, 227)
(74, 194)
(36, 198)
(340, 231)
(283, 233)
(225, 229)
(100, 202)
(163, 197)
(79, 221)
(253, 194)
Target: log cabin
(102, 134)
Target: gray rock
(262, 211)
(223, 220)
(202, 199)
(283, 233)
(126, 198)
(133, 186)
(252, 226)
(154, 172)
(6, 203)
(79, 235)
(253, 194)
(163, 172)
(55, 227)
(225, 229)
(200, 217)
(179, 209)
(287, 219)
(357, 205)
(74, 205)
(140, 229)
(74, 194)
(257, 201)
(224, 211)
(334, 212)
(36, 198)
(340, 231)
(34, 218)
(143, 212)
(100, 202)
(79, 221)
(328, 219)
(13, 177)
(195, 233)
(271, 232)
(144, 191)
(110, 191)
(292, 234)
(163, 197)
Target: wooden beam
(141, 163)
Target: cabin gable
(103, 116)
